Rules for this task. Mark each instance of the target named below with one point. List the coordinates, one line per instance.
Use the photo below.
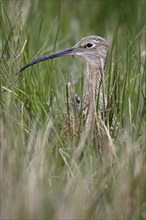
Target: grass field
(40, 176)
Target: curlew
(93, 49)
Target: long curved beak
(66, 52)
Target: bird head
(91, 49)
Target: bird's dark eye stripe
(89, 45)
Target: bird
(93, 49)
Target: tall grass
(40, 176)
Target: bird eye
(89, 45)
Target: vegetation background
(40, 178)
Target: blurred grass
(40, 178)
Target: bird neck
(94, 91)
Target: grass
(40, 176)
